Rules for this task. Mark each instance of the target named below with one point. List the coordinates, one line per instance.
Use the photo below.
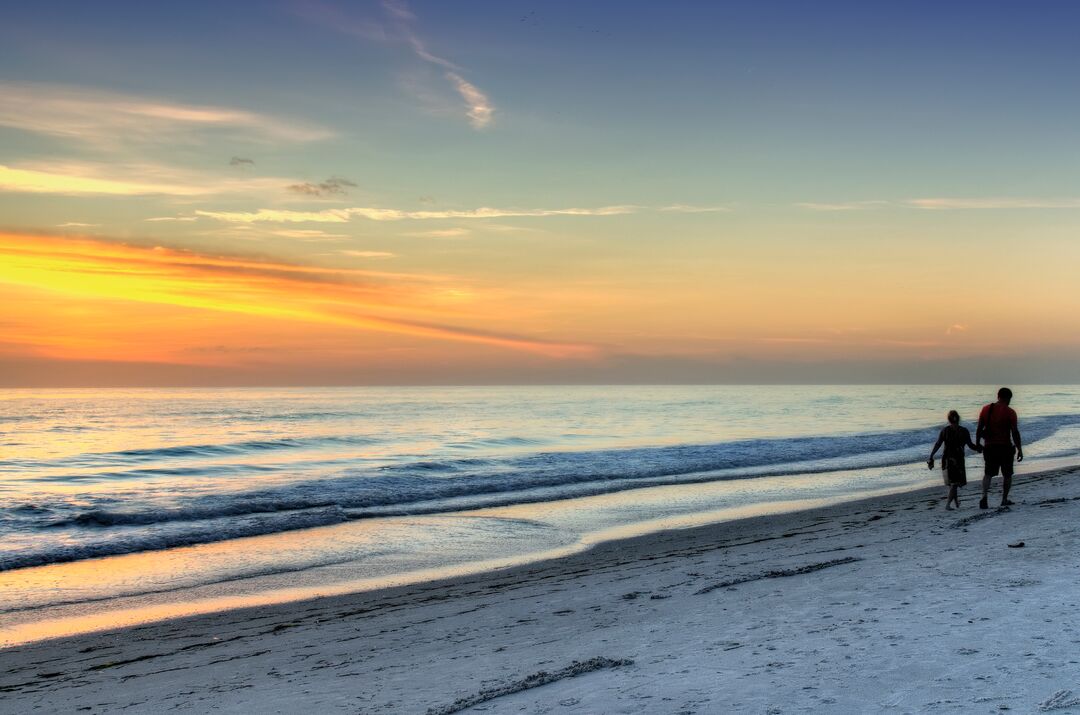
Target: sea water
(120, 496)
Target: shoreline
(633, 536)
(577, 524)
(629, 586)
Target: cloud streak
(478, 107)
(109, 119)
(842, 206)
(948, 204)
(995, 203)
(380, 214)
(480, 110)
(111, 179)
(398, 28)
(368, 254)
(334, 186)
(442, 233)
(689, 209)
(74, 181)
(308, 234)
(349, 298)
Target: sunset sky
(330, 192)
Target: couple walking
(998, 428)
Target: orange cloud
(402, 303)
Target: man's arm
(1016, 438)
(981, 428)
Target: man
(997, 425)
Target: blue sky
(772, 92)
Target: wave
(426, 481)
(129, 456)
(157, 472)
(127, 542)
(255, 445)
(112, 525)
(496, 442)
(267, 417)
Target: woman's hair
(954, 417)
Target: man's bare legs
(1006, 485)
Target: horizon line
(298, 386)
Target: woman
(955, 438)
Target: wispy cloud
(842, 206)
(494, 227)
(688, 209)
(996, 203)
(380, 214)
(480, 110)
(349, 298)
(76, 224)
(332, 17)
(368, 254)
(478, 107)
(109, 118)
(334, 186)
(398, 26)
(72, 180)
(955, 329)
(167, 219)
(442, 233)
(279, 216)
(113, 179)
(309, 234)
(241, 161)
(947, 204)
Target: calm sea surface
(119, 496)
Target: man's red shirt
(998, 424)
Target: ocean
(136, 497)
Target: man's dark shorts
(999, 457)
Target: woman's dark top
(954, 438)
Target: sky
(309, 192)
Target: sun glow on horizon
(129, 275)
